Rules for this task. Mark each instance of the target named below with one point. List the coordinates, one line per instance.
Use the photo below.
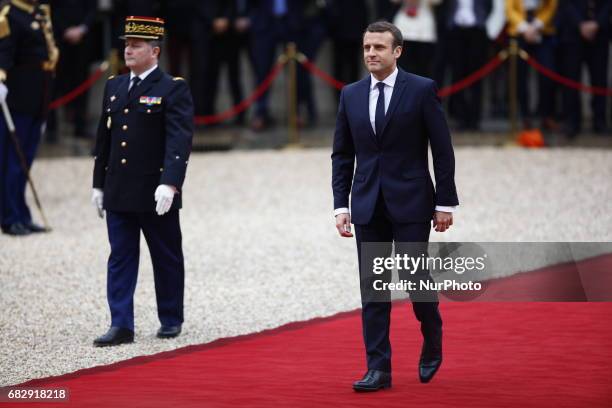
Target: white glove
(164, 195)
(3, 92)
(97, 199)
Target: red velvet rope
(234, 110)
(313, 69)
(464, 83)
(474, 76)
(76, 92)
(570, 83)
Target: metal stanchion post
(294, 136)
(512, 90)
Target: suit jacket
(143, 141)
(348, 19)
(262, 15)
(574, 12)
(396, 162)
(68, 13)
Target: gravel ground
(260, 247)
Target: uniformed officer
(28, 56)
(142, 149)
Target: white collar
(144, 74)
(389, 81)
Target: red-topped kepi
(147, 28)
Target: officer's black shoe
(429, 363)
(17, 230)
(114, 337)
(168, 332)
(35, 228)
(373, 380)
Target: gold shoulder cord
(52, 49)
(5, 28)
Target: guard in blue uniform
(28, 56)
(142, 150)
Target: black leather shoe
(373, 380)
(16, 230)
(429, 363)
(35, 228)
(168, 332)
(114, 337)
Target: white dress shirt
(420, 27)
(389, 85)
(464, 16)
(141, 76)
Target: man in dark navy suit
(386, 122)
(28, 57)
(142, 149)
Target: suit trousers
(163, 236)
(409, 238)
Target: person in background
(584, 28)
(273, 23)
(531, 22)
(179, 17)
(467, 47)
(228, 35)
(72, 22)
(311, 32)
(28, 57)
(347, 20)
(416, 21)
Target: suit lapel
(364, 96)
(398, 90)
(144, 86)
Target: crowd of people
(443, 39)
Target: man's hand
(220, 25)
(3, 92)
(343, 225)
(242, 24)
(73, 35)
(442, 220)
(532, 35)
(97, 199)
(588, 30)
(164, 195)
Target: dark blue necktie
(379, 119)
(135, 81)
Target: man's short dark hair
(158, 44)
(384, 26)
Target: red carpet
(496, 354)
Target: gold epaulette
(178, 79)
(5, 28)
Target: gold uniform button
(123, 161)
(124, 127)
(161, 169)
(126, 110)
(123, 144)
